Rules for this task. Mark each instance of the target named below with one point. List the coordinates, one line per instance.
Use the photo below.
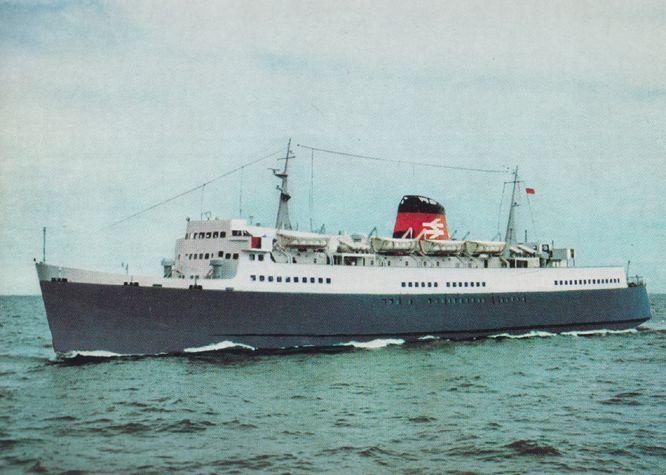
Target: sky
(108, 107)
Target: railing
(635, 281)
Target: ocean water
(542, 403)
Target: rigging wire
(191, 190)
(422, 164)
(499, 212)
(311, 197)
(529, 205)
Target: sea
(538, 403)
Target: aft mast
(282, 221)
(510, 236)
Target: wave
(428, 337)
(599, 332)
(374, 344)
(223, 345)
(90, 354)
(530, 334)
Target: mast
(282, 221)
(510, 236)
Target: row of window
(448, 284)
(295, 280)
(215, 234)
(495, 299)
(587, 281)
(423, 284)
(208, 255)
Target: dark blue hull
(147, 320)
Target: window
(460, 284)
(208, 235)
(321, 280)
(555, 282)
(455, 284)
(270, 278)
(235, 256)
(194, 235)
(236, 232)
(262, 278)
(279, 279)
(252, 257)
(436, 284)
(227, 255)
(201, 235)
(478, 284)
(429, 284)
(253, 278)
(287, 279)
(201, 255)
(223, 234)
(304, 280)
(260, 257)
(448, 284)
(483, 284)
(328, 280)
(466, 284)
(195, 256)
(215, 234)
(220, 254)
(187, 235)
(296, 280)
(422, 284)
(312, 280)
(404, 284)
(409, 284)
(206, 256)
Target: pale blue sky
(108, 107)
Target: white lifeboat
(474, 248)
(432, 247)
(301, 241)
(393, 245)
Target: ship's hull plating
(149, 320)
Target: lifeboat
(302, 241)
(382, 245)
(474, 248)
(430, 247)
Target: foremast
(283, 221)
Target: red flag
(530, 191)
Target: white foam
(531, 334)
(223, 345)
(373, 344)
(91, 354)
(429, 337)
(600, 332)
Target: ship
(233, 284)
